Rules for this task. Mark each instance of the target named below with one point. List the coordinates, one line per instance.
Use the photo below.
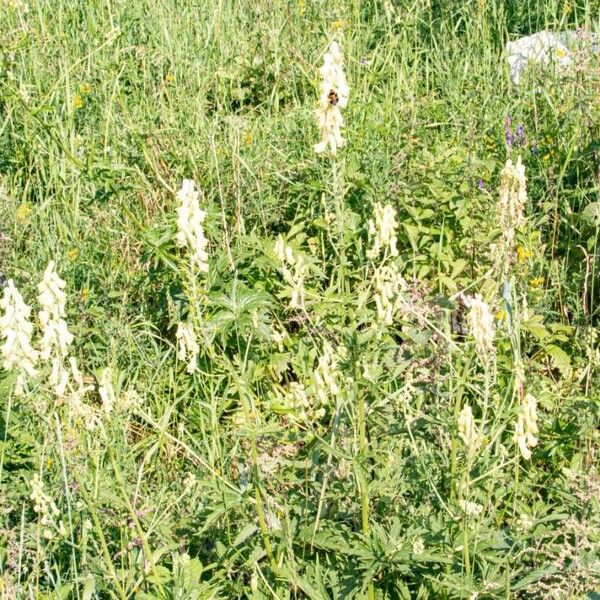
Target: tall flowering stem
(334, 93)
(190, 236)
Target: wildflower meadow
(299, 300)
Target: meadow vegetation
(250, 351)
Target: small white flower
(418, 546)
(190, 232)
(471, 509)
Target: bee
(333, 97)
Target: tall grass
(245, 479)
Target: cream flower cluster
(388, 287)
(383, 231)
(511, 207)
(513, 194)
(16, 330)
(77, 407)
(327, 376)
(481, 324)
(334, 97)
(44, 506)
(56, 337)
(467, 430)
(295, 399)
(526, 427)
(471, 509)
(190, 232)
(294, 271)
(187, 345)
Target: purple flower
(481, 185)
(507, 132)
(520, 134)
(516, 139)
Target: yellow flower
(85, 293)
(500, 315)
(248, 138)
(22, 213)
(338, 25)
(170, 78)
(301, 7)
(523, 253)
(72, 254)
(49, 463)
(560, 53)
(78, 102)
(537, 282)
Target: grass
(229, 483)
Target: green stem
(259, 509)
(103, 545)
(364, 491)
(136, 522)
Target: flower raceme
(190, 232)
(16, 330)
(481, 324)
(334, 97)
(467, 430)
(187, 345)
(382, 228)
(513, 194)
(294, 271)
(389, 284)
(44, 506)
(511, 212)
(526, 427)
(56, 337)
(387, 280)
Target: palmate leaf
(239, 309)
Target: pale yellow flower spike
(481, 322)
(56, 337)
(333, 97)
(526, 427)
(190, 233)
(16, 330)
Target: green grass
(215, 485)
